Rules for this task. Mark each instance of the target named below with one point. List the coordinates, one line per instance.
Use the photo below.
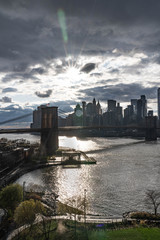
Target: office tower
(141, 107)
(159, 103)
(144, 106)
(128, 114)
(84, 112)
(111, 105)
(119, 115)
(134, 104)
(98, 107)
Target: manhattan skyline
(62, 54)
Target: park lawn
(139, 233)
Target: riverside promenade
(79, 218)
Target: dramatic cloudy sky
(45, 45)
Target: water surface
(125, 169)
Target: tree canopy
(26, 212)
(11, 196)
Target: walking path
(79, 218)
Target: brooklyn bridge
(49, 130)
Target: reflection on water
(116, 184)
(78, 144)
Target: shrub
(145, 215)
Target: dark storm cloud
(9, 89)
(19, 76)
(88, 67)
(6, 100)
(38, 70)
(20, 67)
(25, 42)
(45, 94)
(119, 10)
(30, 32)
(120, 92)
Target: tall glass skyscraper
(159, 103)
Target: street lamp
(85, 191)
(23, 189)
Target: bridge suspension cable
(61, 112)
(17, 118)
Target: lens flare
(62, 22)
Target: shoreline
(24, 168)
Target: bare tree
(74, 206)
(153, 199)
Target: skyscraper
(141, 108)
(134, 104)
(111, 105)
(159, 103)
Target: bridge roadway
(69, 128)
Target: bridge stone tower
(151, 125)
(49, 130)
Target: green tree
(11, 196)
(26, 212)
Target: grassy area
(134, 234)
(60, 230)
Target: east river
(126, 168)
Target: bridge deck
(70, 128)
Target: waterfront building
(37, 117)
